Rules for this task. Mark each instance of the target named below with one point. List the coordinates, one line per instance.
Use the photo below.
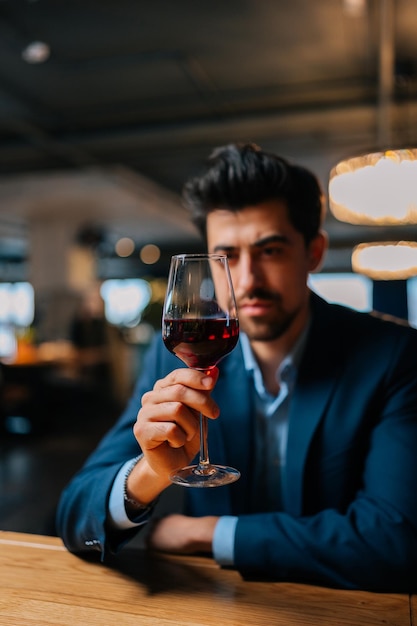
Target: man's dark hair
(240, 175)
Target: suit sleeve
(82, 509)
(372, 543)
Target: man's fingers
(189, 378)
(177, 426)
(177, 393)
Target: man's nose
(247, 275)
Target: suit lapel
(320, 368)
(318, 373)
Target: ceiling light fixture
(375, 189)
(36, 52)
(386, 261)
(355, 8)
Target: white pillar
(60, 271)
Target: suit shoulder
(365, 323)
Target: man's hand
(167, 429)
(183, 535)
(167, 426)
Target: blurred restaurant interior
(106, 108)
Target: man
(317, 407)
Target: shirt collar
(293, 358)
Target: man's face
(269, 264)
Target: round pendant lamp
(375, 189)
(386, 261)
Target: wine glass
(200, 326)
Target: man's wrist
(143, 485)
(133, 508)
(117, 514)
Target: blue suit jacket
(350, 505)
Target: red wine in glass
(200, 343)
(200, 326)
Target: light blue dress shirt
(271, 433)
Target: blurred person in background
(102, 358)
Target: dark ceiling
(136, 89)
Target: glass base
(210, 476)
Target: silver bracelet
(131, 501)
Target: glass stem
(204, 463)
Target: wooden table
(41, 584)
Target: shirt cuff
(117, 512)
(224, 540)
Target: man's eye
(271, 250)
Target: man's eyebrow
(256, 244)
(223, 248)
(270, 239)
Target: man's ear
(317, 250)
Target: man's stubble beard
(258, 329)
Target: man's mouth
(255, 307)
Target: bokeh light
(150, 254)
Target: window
(125, 300)
(17, 304)
(412, 301)
(17, 310)
(352, 290)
